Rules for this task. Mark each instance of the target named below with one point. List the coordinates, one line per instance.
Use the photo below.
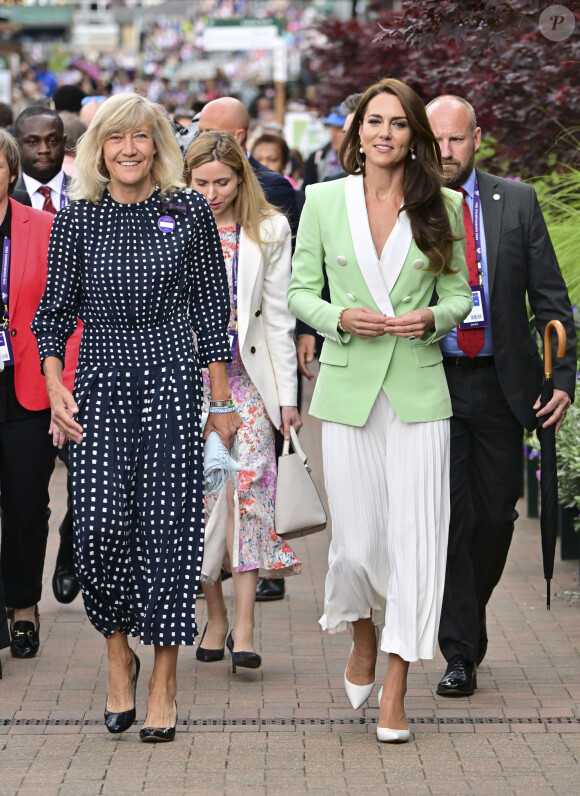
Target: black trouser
(26, 463)
(66, 527)
(486, 462)
(4, 635)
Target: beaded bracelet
(221, 410)
(229, 402)
(339, 325)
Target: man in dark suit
(229, 114)
(39, 132)
(41, 140)
(494, 372)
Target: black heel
(119, 722)
(206, 655)
(153, 734)
(249, 660)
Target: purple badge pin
(166, 224)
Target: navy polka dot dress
(143, 295)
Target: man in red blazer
(27, 454)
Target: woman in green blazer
(384, 234)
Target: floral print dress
(259, 546)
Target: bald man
(494, 379)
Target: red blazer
(30, 233)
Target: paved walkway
(287, 727)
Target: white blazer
(265, 326)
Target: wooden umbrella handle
(561, 332)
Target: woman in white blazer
(240, 529)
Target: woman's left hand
(226, 424)
(411, 324)
(290, 417)
(59, 438)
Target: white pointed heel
(357, 694)
(386, 735)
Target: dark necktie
(48, 205)
(470, 341)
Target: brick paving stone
(484, 729)
(531, 669)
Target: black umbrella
(548, 477)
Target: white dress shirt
(57, 191)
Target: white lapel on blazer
(362, 240)
(249, 260)
(396, 250)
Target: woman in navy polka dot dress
(138, 259)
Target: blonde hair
(250, 205)
(121, 114)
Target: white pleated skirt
(388, 493)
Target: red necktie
(48, 205)
(470, 341)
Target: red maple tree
(524, 86)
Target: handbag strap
(295, 445)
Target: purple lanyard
(476, 229)
(62, 195)
(235, 276)
(5, 270)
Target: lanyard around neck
(235, 274)
(4, 279)
(477, 229)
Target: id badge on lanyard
(477, 318)
(6, 353)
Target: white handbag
(299, 510)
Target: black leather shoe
(65, 584)
(206, 655)
(249, 660)
(460, 678)
(24, 639)
(154, 734)
(119, 722)
(270, 589)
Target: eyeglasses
(98, 100)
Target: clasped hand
(366, 322)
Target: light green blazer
(334, 231)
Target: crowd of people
(159, 283)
